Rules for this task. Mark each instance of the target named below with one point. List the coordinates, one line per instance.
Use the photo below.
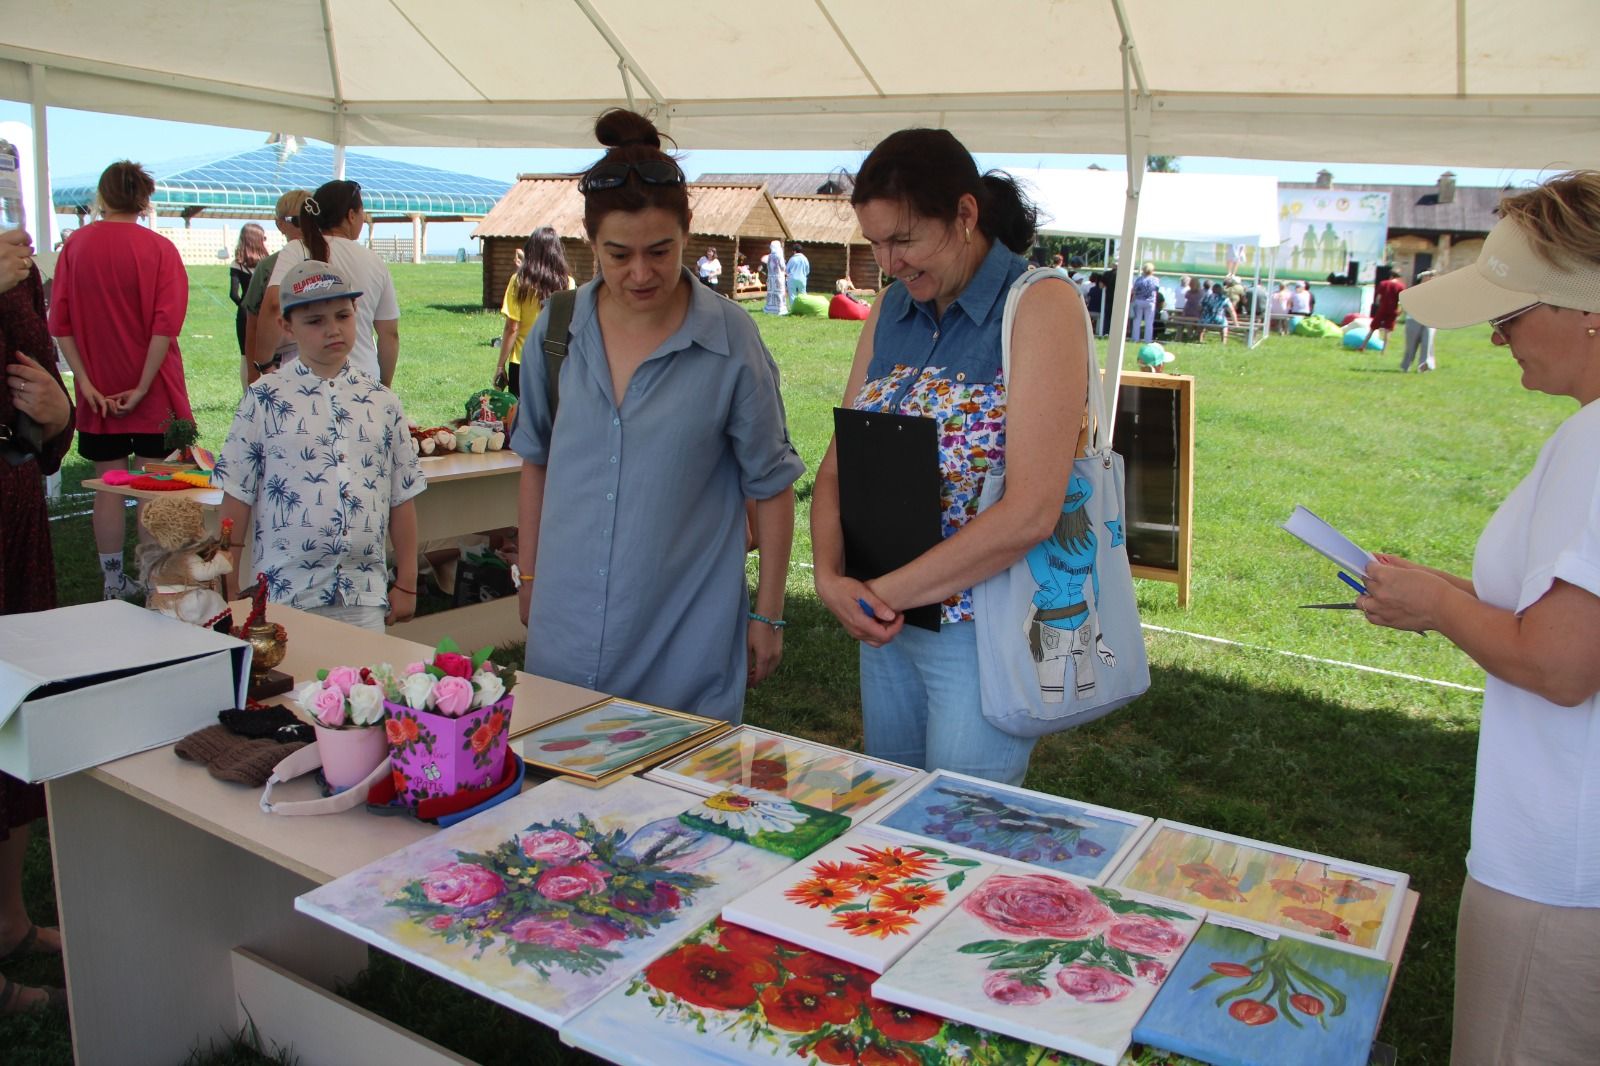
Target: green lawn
(1361, 765)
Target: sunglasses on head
(615, 175)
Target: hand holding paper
(1329, 542)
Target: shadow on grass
(461, 309)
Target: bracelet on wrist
(775, 623)
(398, 588)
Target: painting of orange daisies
(865, 898)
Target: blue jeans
(1144, 320)
(920, 706)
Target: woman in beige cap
(1528, 936)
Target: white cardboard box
(83, 685)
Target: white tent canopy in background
(1227, 208)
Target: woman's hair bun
(619, 127)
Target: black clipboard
(889, 483)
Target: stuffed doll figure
(183, 565)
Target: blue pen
(1361, 590)
(866, 609)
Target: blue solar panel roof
(248, 185)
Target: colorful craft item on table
(1243, 998)
(202, 458)
(829, 779)
(1310, 896)
(770, 822)
(194, 479)
(145, 482)
(548, 900)
(864, 898)
(730, 995)
(449, 721)
(615, 737)
(384, 798)
(971, 815)
(1046, 960)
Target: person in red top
(1385, 304)
(117, 309)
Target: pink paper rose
(413, 668)
(452, 696)
(1144, 935)
(570, 882)
(1150, 970)
(328, 706)
(1003, 988)
(553, 845)
(557, 933)
(1038, 905)
(343, 678)
(461, 885)
(1093, 984)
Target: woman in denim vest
(953, 241)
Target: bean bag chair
(810, 305)
(842, 307)
(1316, 326)
(1359, 331)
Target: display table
(162, 872)
(465, 494)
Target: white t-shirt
(1536, 812)
(1300, 302)
(364, 272)
(710, 269)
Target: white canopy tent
(1468, 82)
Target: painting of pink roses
(546, 901)
(1046, 960)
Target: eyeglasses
(615, 175)
(1498, 325)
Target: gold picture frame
(597, 755)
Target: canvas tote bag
(1059, 642)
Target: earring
(1592, 331)
(969, 234)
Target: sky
(82, 143)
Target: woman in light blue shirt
(668, 417)
(799, 270)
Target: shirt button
(616, 421)
(613, 458)
(961, 377)
(611, 495)
(602, 571)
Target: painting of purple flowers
(988, 819)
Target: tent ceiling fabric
(1464, 82)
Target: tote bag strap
(1099, 430)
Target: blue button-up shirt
(639, 583)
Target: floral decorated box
(544, 902)
(1246, 997)
(1046, 960)
(730, 995)
(986, 820)
(865, 898)
(1310, 896)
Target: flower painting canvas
(544, 902)
(1310, 896)
(730, 995)
(613, 737)
(863, 898)
(829, 779)
(1239, 998)
(770, 822)
(1045, 960)
(971, 815)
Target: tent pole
(1136, 134)
(1255, 287)
(44, 226)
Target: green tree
(1161, 164)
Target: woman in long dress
(777, 281)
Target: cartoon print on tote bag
(1063, 624)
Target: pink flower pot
(349, 755)
(434, 755)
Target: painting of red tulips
(1309, 896)
(1240, 998)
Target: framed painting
(732, 996)
(1046, 960)
(767, 821)
(1309, 896)
(613, 738)
(982, 819)
(830, 779)
(1243, 997)
(544, 902)
(864, 898)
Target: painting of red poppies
(864, 898)
(983, 819)
(1046, 960)
(612, 738)
(731, 995)
(546, 901)
(1241, 998)
(829, 779)
(1309, 896)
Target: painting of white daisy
(768, 821)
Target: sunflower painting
(865, 898)
(770, 822)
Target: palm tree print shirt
(321, 462)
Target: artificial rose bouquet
(451, 685)
(341, 698)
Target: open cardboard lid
(76, 644)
